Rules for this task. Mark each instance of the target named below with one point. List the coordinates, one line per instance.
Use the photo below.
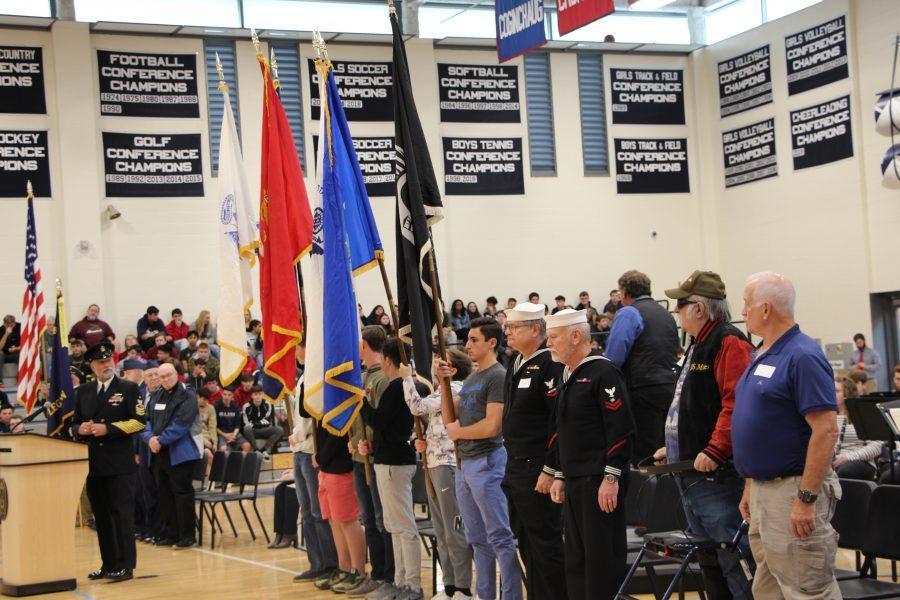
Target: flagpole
(448, 411)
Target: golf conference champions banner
(745, 81)
(483, 167)
(749, 153)
(135, 84)
(520, 27)
(821, 134)
(22, 81)
(364, 88)
(652, 166)
(376, 157)
(479, 93)
(24, 157)
(647, 96)
(816, 56)
(151, 165)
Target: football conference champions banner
(651, 166)
(573, 14)
(749, 153)
(135, 84)
(376, 157)
(479, 93)
(24, 157)
(816, 56)
(151, 165)
(745, 81)
(520, 27)
(821, 134)
(364, 87)
(647, 96)
(483, 167)
(22, 80)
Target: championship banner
(483, 167)
(139, 165)
(821, 134)
(652, 166)
(817, 56)
(647, 96)
(134, 84)
(24, 157)
(520, 27)
(479, 93)
(22, 81)
(376, 157)
(364, 87)
(745, 81)
(749, 153)
(573, 14)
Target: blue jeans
(320, 548)
(378, 540)
(485, 514)
(712, 511)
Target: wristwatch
(807, 497)
(611, 478)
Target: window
(215, 103)
(627, 27)
(775, 9)
(733, 19)
(25, 8)
(218, 13)
(302, 15)
(592, 96)
(438, 22)
(539, 99)
(287, 59)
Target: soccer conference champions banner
(520, 27)
(745, 81)
(22, 81)
(23, 158)
(479, 93)
(135, 84)
(817, 56)
(647, 96)
(364, 87)
(141, 165)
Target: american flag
(34, 321)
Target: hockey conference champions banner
(135, 84)
(23, 158)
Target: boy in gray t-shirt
(480, 389)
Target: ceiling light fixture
(647, 4)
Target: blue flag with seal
(520, 27)
(343, 228)
(62, 394)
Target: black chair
(849, 521)
(881, 539)
(234, 464)
(250, 479)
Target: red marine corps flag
(285, 234)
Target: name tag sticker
(764, 371)
(159, 407)
(524, 384)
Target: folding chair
(231, 475)
(849, 521)
(250, 479)
(881, 540)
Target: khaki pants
(786, 567)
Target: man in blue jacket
(172, 420)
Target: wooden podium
(40, 480)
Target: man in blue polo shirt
(783, 433)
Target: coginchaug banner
(647, 96)
(651, 166)
(376, 157)
(22, 80)
(573, 14)
(364, 88)
(483, 166)
(23, 157)
(134, 84)
(816, 56)
(745, 81)
(479, 93)
(749, 153)
(520, 27)
(150, 165)
(821, 134)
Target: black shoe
(164, 542)
(185, 543)
(310, 575)
(98, 574)
(148, 539)
(122, 575)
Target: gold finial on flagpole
(28, 189)
(274, 65)
(391, 8)
(319, 45)
(223, 86)
(58, 285)
(255, 39)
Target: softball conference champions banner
(134, 84)
(479, 93)
(23, 157)
(22, 81)
(376, 157)
(652, 166)
(520, 27)
(573, 14)
(745, 82)
(141, 165)
(816, 56)
(821, 134)
(483, 167)
(364, 88)
(749, 153)
(647, 96)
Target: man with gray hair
(698, 426)
(783, 432)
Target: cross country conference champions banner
(817, 56)
(651, 166)
(364, 88)
(151, 165)
(479, 93)
(22, 80)
(821, 134)
(134, 84)
(749, 153)
(745, 81)
(647, 96)
(483, 167)
(23, 158)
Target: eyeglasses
(508, 328)
(682, 303)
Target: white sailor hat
(526, 311)
(566, 317)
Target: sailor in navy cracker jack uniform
(529, 433)
(107, 413)
(595, 430)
